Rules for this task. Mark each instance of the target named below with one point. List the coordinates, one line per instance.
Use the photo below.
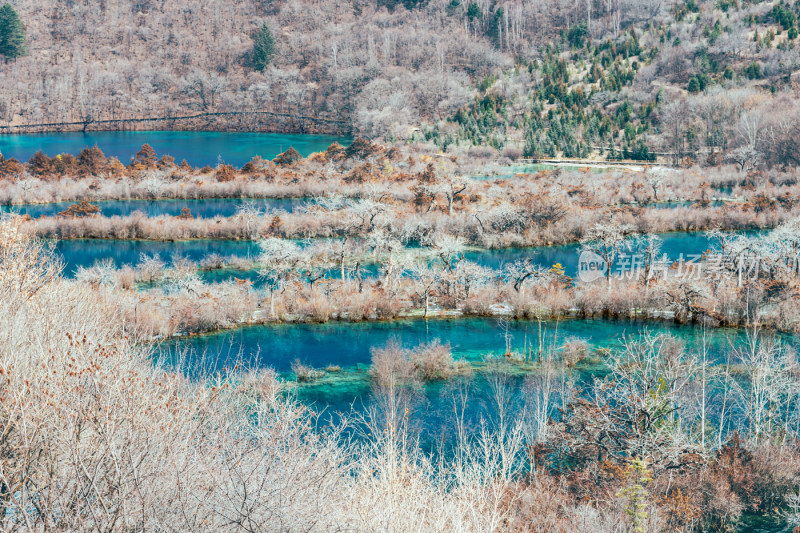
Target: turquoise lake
(199, 148)
(430, 413)
(85, 252)
(348, 344)
(200, 208)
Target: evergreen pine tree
(12, 33)
(263, 48)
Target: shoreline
(469, 248)
(299, 124)
(456, 315)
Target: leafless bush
(391, 364)
(432, 361)
(574, 350)
(304, 373)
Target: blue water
(674, 245)
(201, 208)
(348, 344)
(85, 252)
(683, 203)
(199, 148)
(430, 412)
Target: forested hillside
(704, 81)
(92, 60)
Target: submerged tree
(12, 33)
(263, 48)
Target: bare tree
(607, 240)
(279, 259)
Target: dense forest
(682, 80)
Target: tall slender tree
(12, 34)
(263, 48)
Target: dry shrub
(386, 305)
(512, 153)
(309, 303)
(354, 305)
(740, 478)
(86, 413)
(482, 152)
(197, 308)
(360, 148)
(126, 278)
(574, 350)
(212, 262)
(480, 301)
(392, 364)
(288, 158)
(225, 173)
(304, 373)
(542, 505)
(433, 361)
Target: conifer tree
(263, 48)
(12, 34)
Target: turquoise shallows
(199, 148)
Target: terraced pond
(86, 252)
(198, 148)
(200, 208)
(347, 387)
(348, 344)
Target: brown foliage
(428, 176)
(10, 168)
(762, 203)
(166, 161)
(145, 157)
(92, 160)
(66, 164)
(335, 152)
(83, 209)
(253, 166)
(40, 164)
(225, 173)
(359, 174)
(361, 148)
(288, 158)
